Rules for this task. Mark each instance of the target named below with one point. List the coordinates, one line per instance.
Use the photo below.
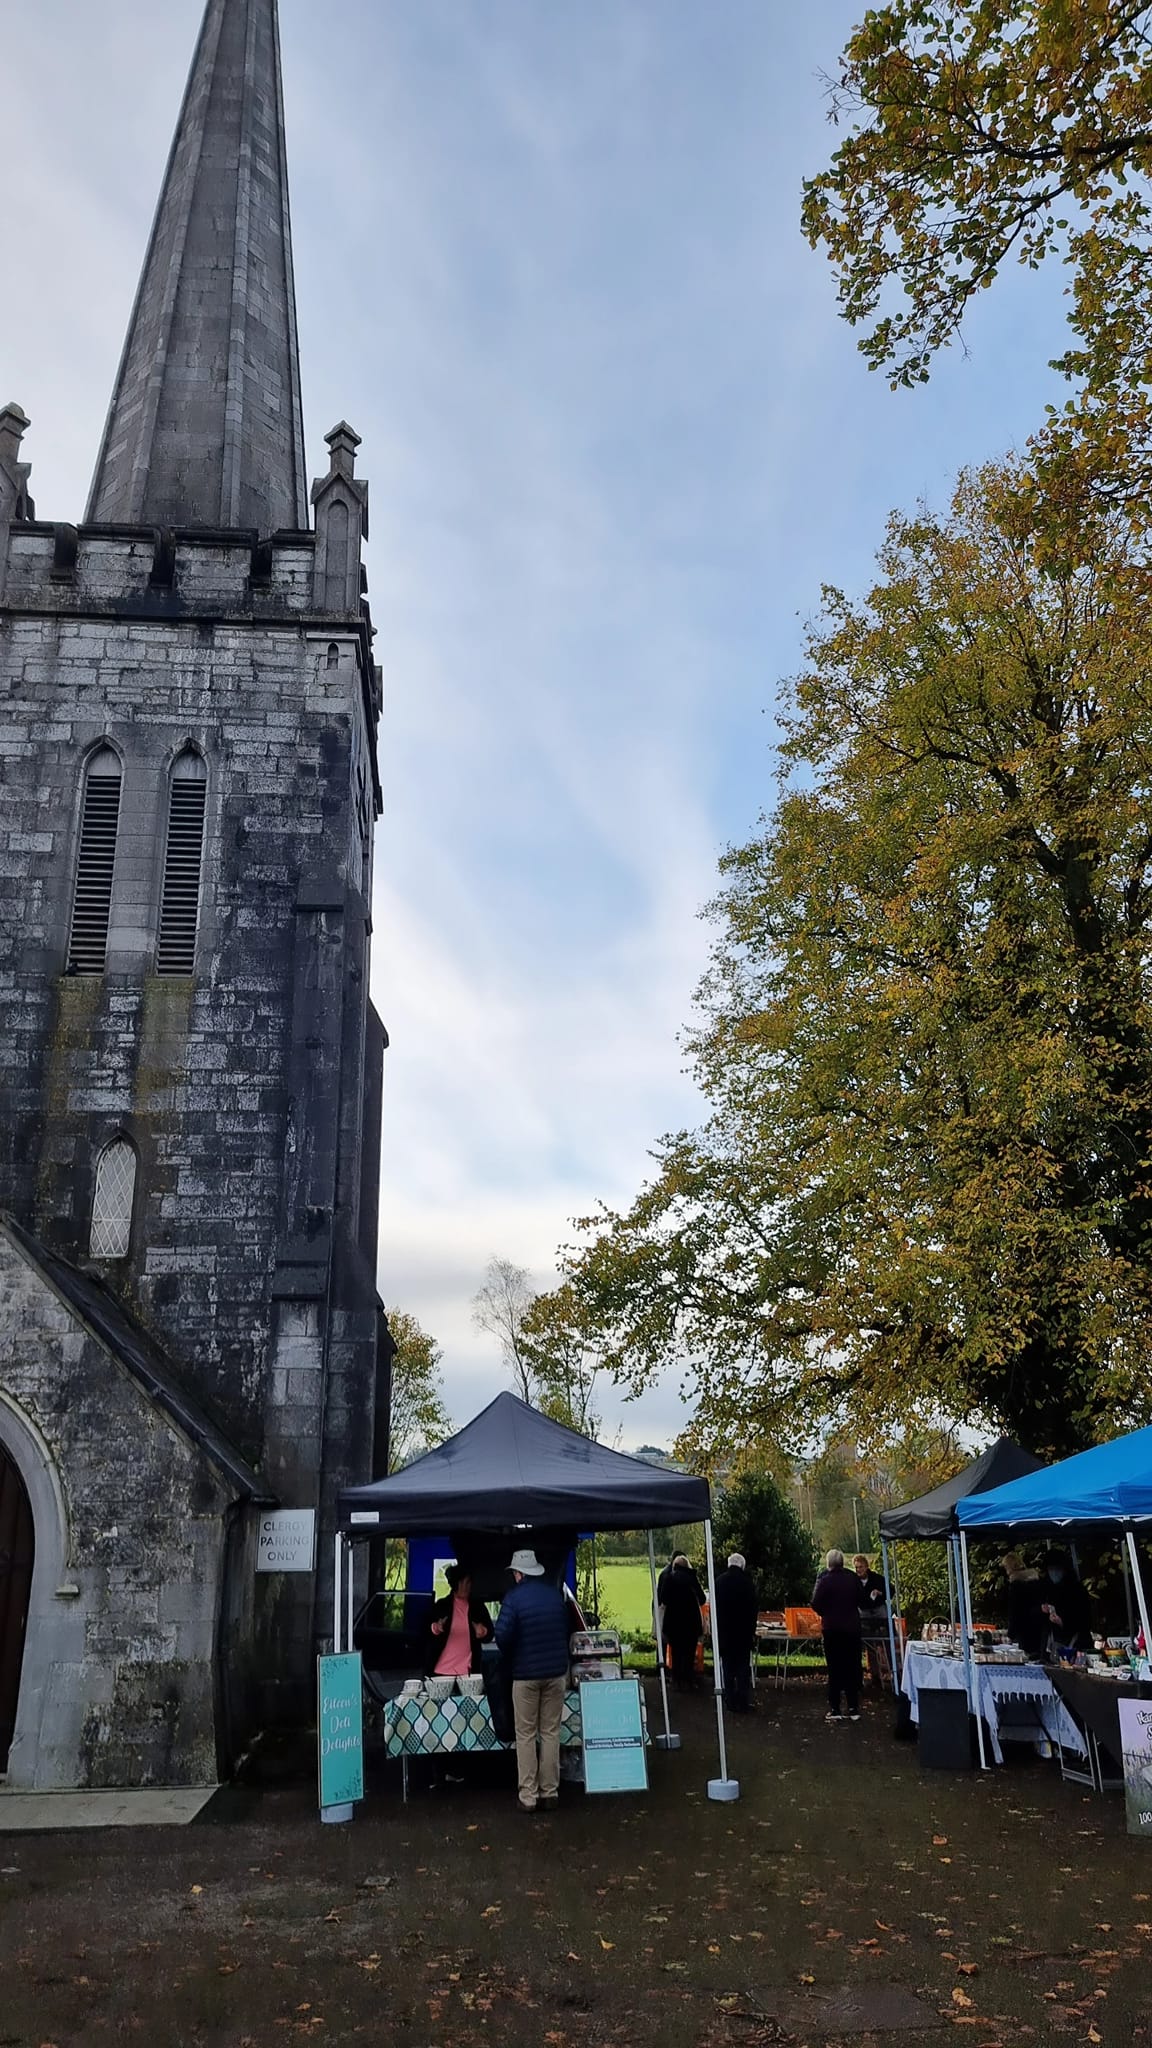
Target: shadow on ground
(848, 1898)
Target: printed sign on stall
(286, 1540)
(340, 1726)
(1136, 1744)
(612, 1722)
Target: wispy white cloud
(549, 265)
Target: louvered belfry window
(183, 853)
(112, 1202)
(95, 864)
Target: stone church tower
(190, 1067)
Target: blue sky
(548, 264)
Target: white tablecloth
(1043, 1719)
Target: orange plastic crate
(802, 1621)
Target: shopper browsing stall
(682, 1621)
(532, 1629)
(836, 1598)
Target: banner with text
(340, 1726)
(612, 1724)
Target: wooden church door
(16, 1549)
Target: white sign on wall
(287, 1540)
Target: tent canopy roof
(512, 1465)
(1110, 1483)
(935, 1513)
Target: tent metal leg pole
(888, 1604)
(1129, 1610)
(952, 1587)
(722, 1787)
(667, 1740)
(1138, 1583)
(350, 1574)
(969, 1667)
(337, 1591)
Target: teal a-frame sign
(340, 1734)
(612, 1721)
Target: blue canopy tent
(1110, 1483)
(1109, 1486)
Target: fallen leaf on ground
(606, 1944)
(960, 1997)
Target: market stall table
(998, 1685)
(461, 1726)
(1094, 1702)
(777, 1642)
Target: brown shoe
(524, 1806)
(549, 1803)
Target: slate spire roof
(205, 423)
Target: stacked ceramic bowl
(472, 1688)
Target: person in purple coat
(836, 1598)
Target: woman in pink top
(458, 1626)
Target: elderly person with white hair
(836, 1598)
(734, 1634)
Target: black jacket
(1026, 1625)
(836, 1598)
(662, 1582)
(681, 1603)
(441, 1610)
(736, 1610)
(1070, 1600)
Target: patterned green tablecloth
(445, 1727)
(428, 1727)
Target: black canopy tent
(934, 1514)
(513, 1468)
(933, 1518)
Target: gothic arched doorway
(17, 1546)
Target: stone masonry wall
(118, 1685)
(196, 1071)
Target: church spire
(205, 424)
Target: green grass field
(626, 1595)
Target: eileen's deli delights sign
(340, 1730)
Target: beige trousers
(538, 1709)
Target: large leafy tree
(565, 1367)
(418, 1417)
(924, 1187)
(983, 132)
(755, 1518)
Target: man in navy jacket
(532, 1631)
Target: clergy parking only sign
(340, 1730)
(286, 1540)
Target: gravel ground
(848, 1898)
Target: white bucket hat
(526, 1561)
